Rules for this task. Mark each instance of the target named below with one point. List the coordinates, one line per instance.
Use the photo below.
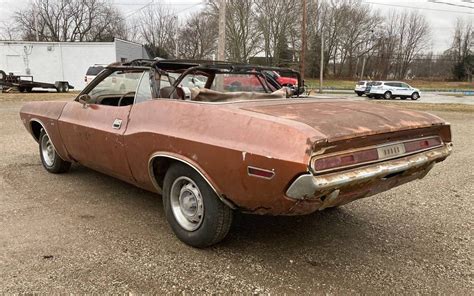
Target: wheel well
(36, 128)
(159, 166)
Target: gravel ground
(87, 232)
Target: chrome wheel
(47, 150)
(187, 203)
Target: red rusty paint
(222, 140)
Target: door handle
(117, 123)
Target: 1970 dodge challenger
(212, 150)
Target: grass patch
(421, 84)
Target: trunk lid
(338, 119)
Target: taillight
(348, 159)
(422, 144)
(85, 79)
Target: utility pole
(321, 64)
(35, 19)
(221, 43)
(363, 67)
(221, 37)
(303, 40)
(176, 37)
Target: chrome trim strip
(167, 155)
(308, 186)
(315, 158)
(260, 169)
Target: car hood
(339, 119)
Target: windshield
(117, 83)
(93, 71)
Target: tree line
(359, 42)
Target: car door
(394, 88)
(93, 133)
(406, 90)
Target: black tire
(370, 96)
(387, 95)
(54, 164)
(415, 96)
(216, 216)
(360, 93)
(29, 89)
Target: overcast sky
(441, 16)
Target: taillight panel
(347, 159)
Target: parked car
(218, 152)
(361, 87)
(392, 89)
(92, 72)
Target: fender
(43, 127)
(191, 164)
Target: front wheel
(415, 96)
(360, 93)
(49, 158)
(193, 209)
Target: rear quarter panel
(222, 142)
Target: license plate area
(391, 151)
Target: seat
(170, 92)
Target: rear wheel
(49, 158)
(193, 209)
(360, 93)
(387, 95)
(415, 96)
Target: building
(64, 61)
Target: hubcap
(186, 203)
(47, 150)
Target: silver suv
(392, 89)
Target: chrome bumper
(309, 186)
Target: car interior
(126, 86)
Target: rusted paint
(224, 139)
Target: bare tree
(276, 19)
(70, 20)
(197, 38)
(9, 30)
(462, 49)
(242, 33)
(413, 34)
(158, 27)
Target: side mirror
(84, 99)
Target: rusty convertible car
(210, 151)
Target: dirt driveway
(86, 232)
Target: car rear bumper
(366, 180)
